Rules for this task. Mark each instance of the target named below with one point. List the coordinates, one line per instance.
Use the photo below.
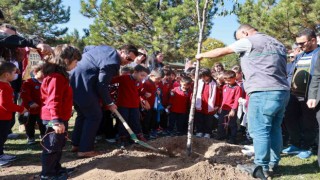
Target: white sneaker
(13, 136)
(4, 163)
(6, 157)
(207, 136)
(22, 128)
(111, 140)
(248, 147)
(247, 152)
(199, 135)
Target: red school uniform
(205, 99)
(128, 91)
(56, 98)
(7, 105)
(179, 100)
(230, 96)
(30, 93)
(150, 87)
(165, 87)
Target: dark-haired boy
(179, 104)
(128, 101)
(227, 117)
(149, 123)
(7, 107)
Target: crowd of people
(274, 96)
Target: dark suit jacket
(314, 88)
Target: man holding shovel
(263, 60)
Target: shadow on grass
(301, 169)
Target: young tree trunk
(201, 23)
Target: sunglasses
(302, 43)
(129, 59)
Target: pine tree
(36, 17)
(281, 19)
(169, 26)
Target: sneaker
(22, 128)
(207, 136)
(247, 147)
(98, 138)
(4, 163)
(31, 141)
(6, 157)
(254, 170)
(291, 150)
(111, 140)
(13, 136)
(247, 152)
(199, 135)
(141, 137)
(304, 154)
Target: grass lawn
(291, 167)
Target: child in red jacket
(31, 99)
(231, 92)
(207, 103)
(179, 105)
(56, 110)
(128, 101)
(7, 107)
(149, 123)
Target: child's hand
(34, 105)
(147, 95)
(146, 105)
(232, 113)
(24, 111)
(59, 128)
(112, 107)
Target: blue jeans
(265, 114)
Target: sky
(222, 29)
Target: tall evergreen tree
(168, 25)
(282, 19)
(36, 17)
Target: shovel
(136, 140)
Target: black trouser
(106, 126)
(163, 120)
(301, 123)
(203, 122)
(132, 117)
(149, 122)
(230, 127)
(178, 121)
(51, 156)
(5, 127)
(33, 119)
(86, 126)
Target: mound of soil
(210, 159)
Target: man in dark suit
(90, 81)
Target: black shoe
(220, 138)
(58, 177)
(67, 171)
(254, 170)
(231, 141)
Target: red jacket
(205, 99)
(165, 88)
(150, 87)
(179, 100)
(30, 93)
(56, 98)
(128, 91)
(7, 105)
(230, 96)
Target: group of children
(46, 100)
(157, 103)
